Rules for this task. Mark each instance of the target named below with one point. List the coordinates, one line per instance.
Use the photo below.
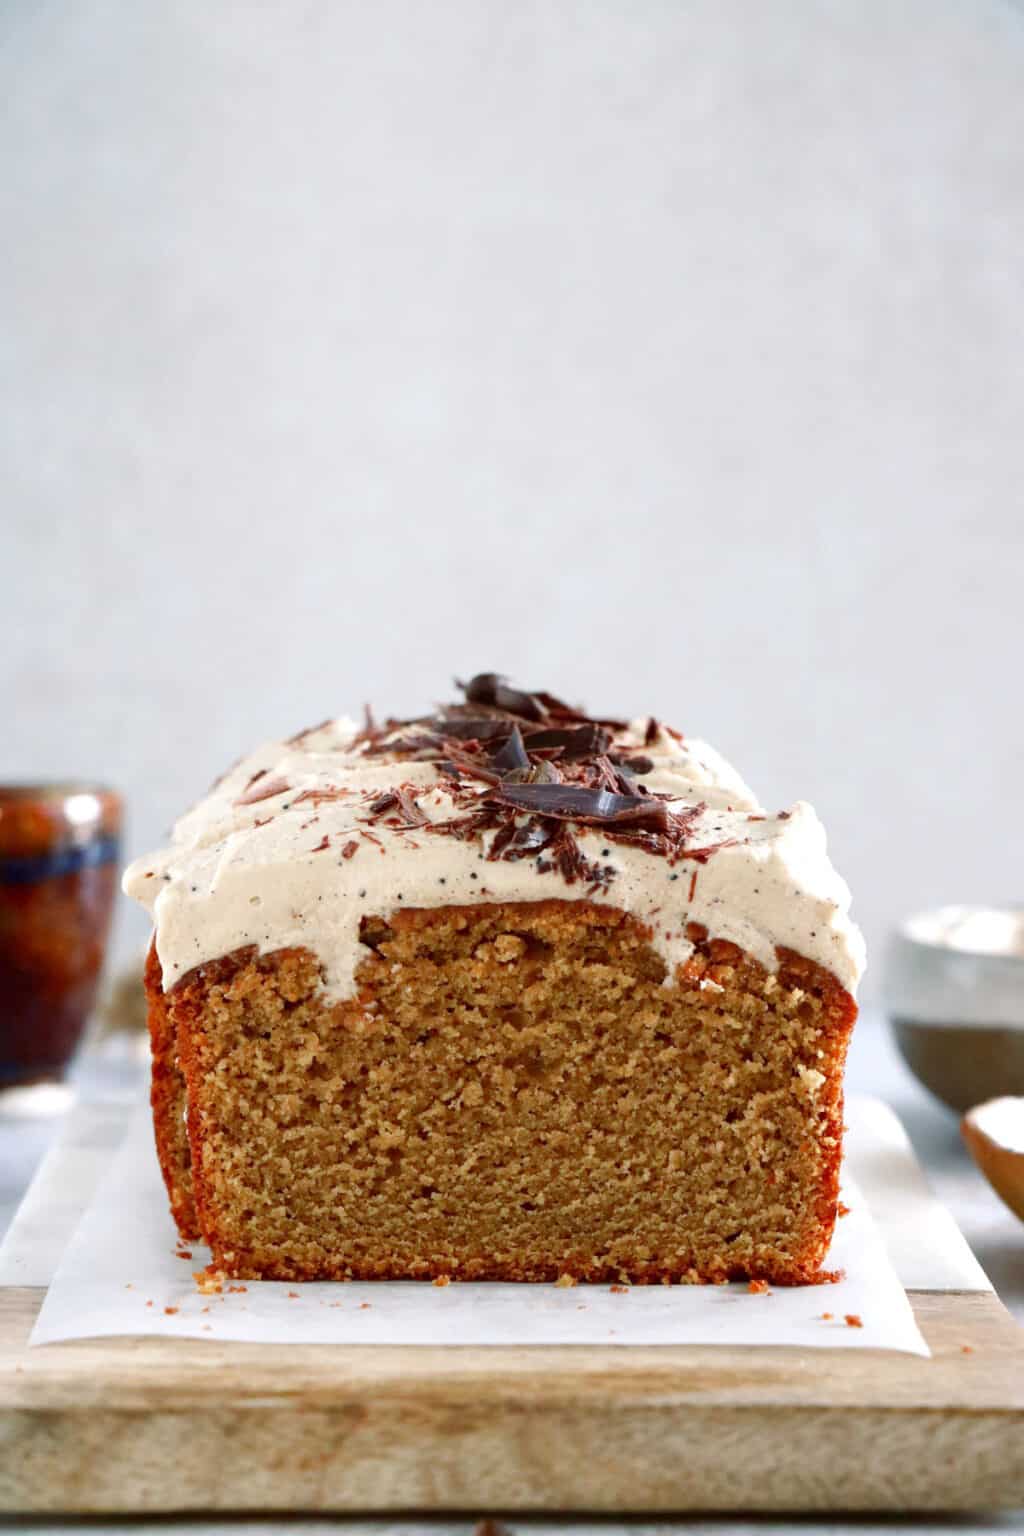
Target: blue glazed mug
(59, 851)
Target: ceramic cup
(59, 849)
(954, 993)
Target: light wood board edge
(160, 1426)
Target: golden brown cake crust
(514, 1095)
(167, 1097)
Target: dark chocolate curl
(575, 802)
(581, 741)
(472, 728)
(511, 755)
(491, 688)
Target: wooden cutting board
(151, 1426)
(155, 1425)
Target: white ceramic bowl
(954, 993)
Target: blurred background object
(59, 846)
(667, 356)
(994, 1133)
(954, 993)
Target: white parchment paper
(121, 1275)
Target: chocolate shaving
(511, 755)
(559, 710)
(472, 727)
(401, 801)
(576, 802)
(652, 732)
(492, 688)
(576, 742)
(261, 788)
(324, 792)
(540, 772)
(457, 763)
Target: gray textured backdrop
(665, 354)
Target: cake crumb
(170, 1311)
(966, 1349)
(827, 1317)
(758, 1288)
(619, 1290)
(565, 1281)
(442, 1280)
(182, 1253)
(364, 1306)
(293, 1295)
(842, 1209)
(209, 1281)
(853, 1320)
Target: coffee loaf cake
(504, 992)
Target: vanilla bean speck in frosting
(508, 796)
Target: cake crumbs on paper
(827, 1317)
(758, 1288)
(364, 1306)
(293, 1295)
(442, 1280)
(853, 1320)
(967, 1349)
(170, 1311)
(237, 1290)
(619, 1290)
(564, 1282)
(182, 1253)
(842, 1209)
(209, 1281)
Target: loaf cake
(505, 992)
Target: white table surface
(995, 1236)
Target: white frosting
(273, 872)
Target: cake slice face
(506, 993)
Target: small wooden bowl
(994, 1134)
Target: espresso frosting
(304, 838)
